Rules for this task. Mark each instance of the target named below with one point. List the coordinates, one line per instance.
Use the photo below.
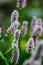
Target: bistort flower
(21, 3)
(24, 28)
(30, 45)
(14, 16)
(13, 27)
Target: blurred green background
(33, 8)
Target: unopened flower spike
(21, 3)
(14, 16)
(13, 27)
(30, 45)
(15, 52)
(24, 28)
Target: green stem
(20, 50)
(8, 50)
(2, 56)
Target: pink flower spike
(24, 28)
(33, 23)
(17, 34)
(21, 3)
(30, 45)
(13, 27)
(14, 16)
(37, 31)
(15, 55)
(39, 23)
(28, 61)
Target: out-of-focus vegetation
(33, 8)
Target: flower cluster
(15, 52)
(17, 34)
(36, 59)
(36, 28)
(15, 56)
(14, 16)
(21, 3)
(14, 22)
(13, 27)
(24, 28)
(30, 45)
